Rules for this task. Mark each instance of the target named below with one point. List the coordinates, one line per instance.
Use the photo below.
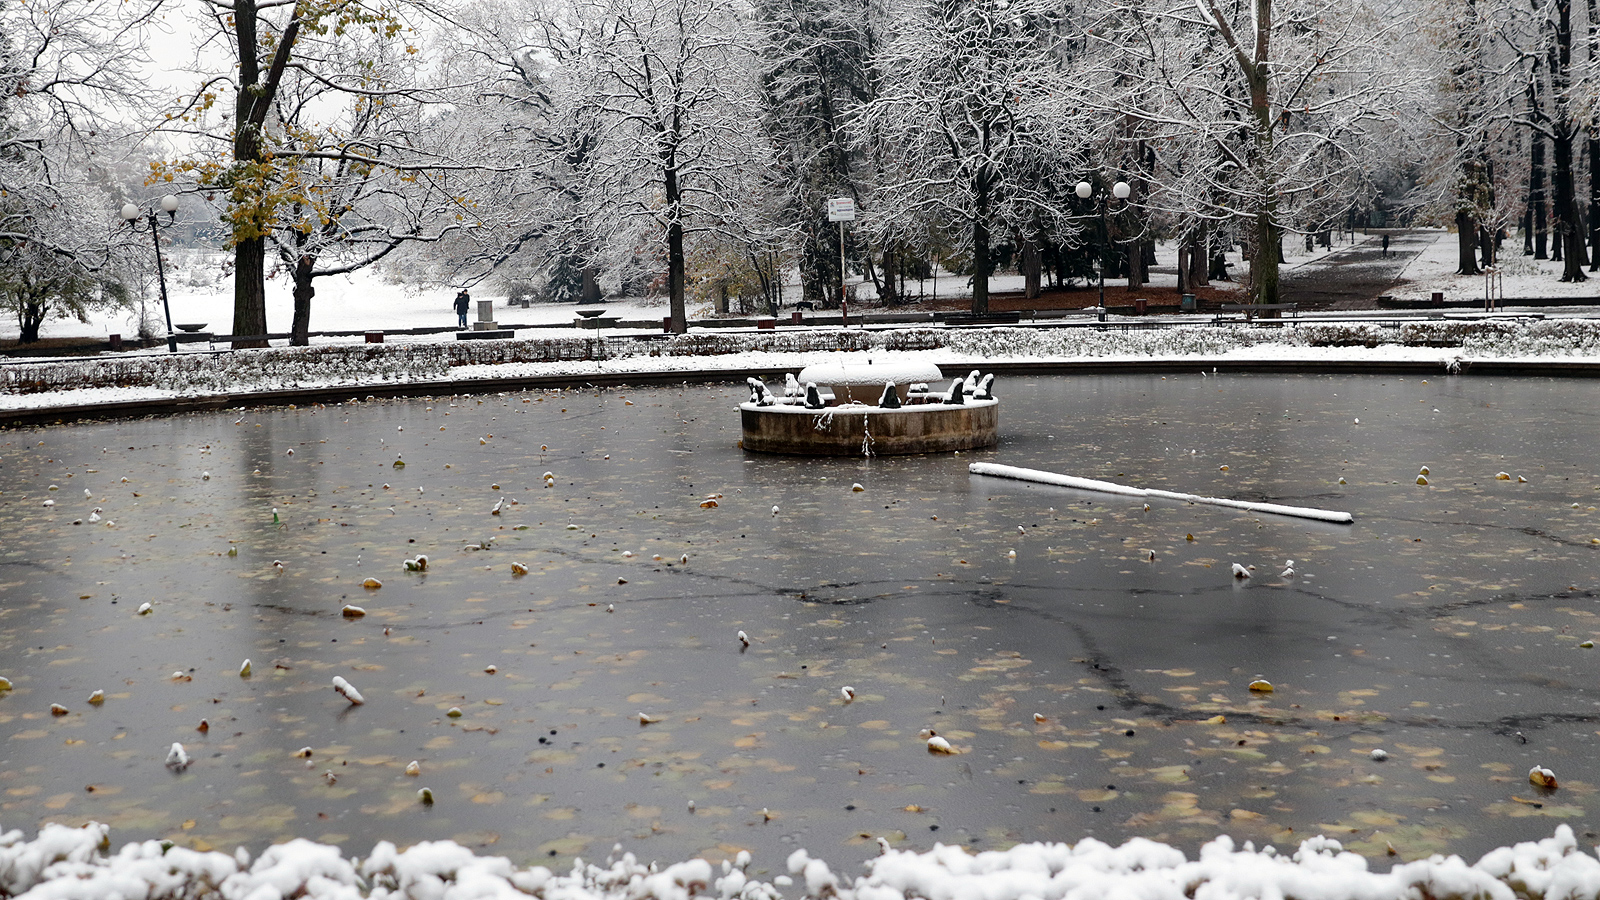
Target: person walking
(1385, 246)
(463, 303)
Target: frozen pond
(1443, 627)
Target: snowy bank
(1453, 343)
(64, 863)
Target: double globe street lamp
(1085, 190)
(132, 214)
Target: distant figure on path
(1385, 246)
(464, 302)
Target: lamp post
(131, 214)
(1085, 190)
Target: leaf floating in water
(1422, 480)
(857, 488)
(303, 753)
(420, 564)
(1542, 777)
(647, 719)
(348, 690)
(414, 768)
(1217, 720)
(425, 795)
(371, 583)
(146, 609)
(244, 669)
(708, 504)
(177, 759)
(1502, 476)
(1039, 717)
(518, 569)
(5, 684)
(97, 698)
(57, 709)
(490, 670)
(454, 712)
(1261, 686)
(203, 727)
(351, 611)
(399, 463)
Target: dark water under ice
(1444, 626)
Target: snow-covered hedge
(340, 364)
(64, 863)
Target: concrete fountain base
(856, 430)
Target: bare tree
(1277, 100)
(62, 67)
(974, 103)
(275, 162)
(665, 89)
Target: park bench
(1252, 310)
(994, 318)
(230, 338)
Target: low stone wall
(870, 430)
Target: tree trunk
(249, 268)
(1568, 231)
(889, 291)
(1536, 199)
(590, 292)
(1217, 263)
(1264, 261)
(675, 260)
(1563, 134)
(816, 270)
(1198, 253)
(1594, 200)
(1594, 144)
(1032, 266)
(980, 249)
(32, 318)
(304, 290)
(250, 291)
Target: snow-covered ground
(1516, 276)
(65, 863)
(200, 293)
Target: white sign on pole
(842, 209)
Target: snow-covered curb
(65, 863)
(1452, 343)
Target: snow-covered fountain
(873, 408)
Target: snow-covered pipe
(1106, 487)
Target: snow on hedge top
(874, 372)
(65, 863)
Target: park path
(1354, 278)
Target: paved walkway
(1355, 277)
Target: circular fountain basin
(859, 430)
(862, 382)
